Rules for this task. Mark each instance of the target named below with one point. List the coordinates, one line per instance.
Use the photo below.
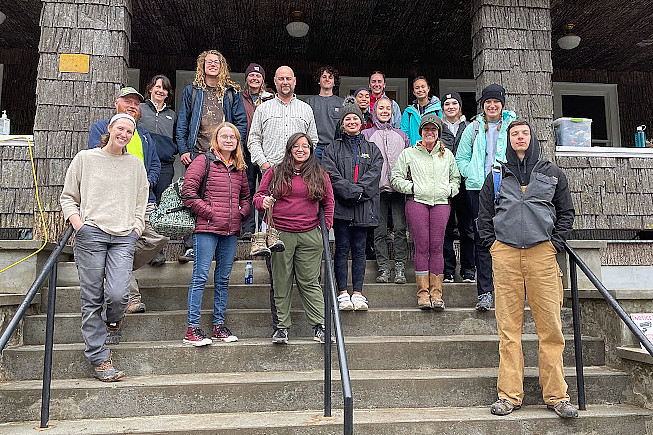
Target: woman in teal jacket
(422, 105)
(482, 144)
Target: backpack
(171, 217)
(496, 176)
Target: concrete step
(166, 298)
(530, 420)
(172, 357)
(256, 323)
(282, 391)
(174, 273)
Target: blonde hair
(498, 125)
(224, 78)
(237, 154)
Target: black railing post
(49, 340)
(578, 344)
(327, 333)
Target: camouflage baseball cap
(128, 91)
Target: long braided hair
(486, 123)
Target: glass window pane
(593, 107)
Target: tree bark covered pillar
(511, 46)
(67, 103)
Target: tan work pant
(536, 271)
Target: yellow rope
(38, 201)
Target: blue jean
(206, 247)
(348, 238)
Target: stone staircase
(412, 371)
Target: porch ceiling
(426, 31)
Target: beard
(136, 115)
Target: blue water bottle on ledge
(640, 138)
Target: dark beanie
(494, 91)
(255, 67)
(348, 109)
(430, 118)
(450, 95)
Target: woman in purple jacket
(219, 215)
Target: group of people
(367, 165)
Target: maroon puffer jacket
(226, 200)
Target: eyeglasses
(212, 62)
(227, 137)
(303, 146)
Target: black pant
(253, 177)
(484, 282)
(165, 179)
(460, 214)
(349, 238)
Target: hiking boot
(400, 272)
(280, 336)
(359, 302)
(383, 276)
(259, 247)
(448, 277)
(564, 409)
(484, 302)
(221, 332)
(246, 235)
(274, 242)
(114, 335)
(503, 407)
(189, 255)
(344, 302)
(468, 276)
(435, 291)
(423, 300)
(159, 260)
(196, 337)
(106, 372)
(135, 307)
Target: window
(596, 101)
(396, 88)
(467, 90)
(133, 78)
(2, 68)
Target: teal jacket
(471, 157)
(411, 118)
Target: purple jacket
(391, 141)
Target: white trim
(398, 85)
(604, 152)
(607, 91)
(16, 140)
(457, 85)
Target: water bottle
(4, 123)
(640, 138)
(249, 273)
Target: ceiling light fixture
(570, 40)
(297, 28)
(3, 17)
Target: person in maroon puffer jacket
(219, 216)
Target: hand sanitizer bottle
(4, 123)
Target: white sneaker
(344, 302)
(359, 302)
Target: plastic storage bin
(574, 132)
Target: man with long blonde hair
(211, 99)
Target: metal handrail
(575, 260)
(331, 308)
(49, 270)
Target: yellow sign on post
(76, 63)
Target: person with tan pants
(525, 216)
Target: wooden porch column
(511, 46)
(90, 38)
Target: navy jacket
(188, 124)
(152, 163)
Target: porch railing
(49, 271)
(331, 308)
(576, 261)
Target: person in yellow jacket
(428, 174)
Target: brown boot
(435, 287)
(259, 246)
(275, 244)
(423, 301)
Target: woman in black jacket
(354, 165)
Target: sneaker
(114, 335)
(159, 260)
(280, 336)
(359, 302)
(468, 276)
(221, 332)
(344, 302)
(135, 307)
(320, 334)
(400, 272)
(189, 255)
(448, 277)
(503, 407)
(106, 372)
(484, 302)
(564, 409)
(383, 276)
(196, 337)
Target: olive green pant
(300, 261)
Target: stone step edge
(284, 377)
(309, 418)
